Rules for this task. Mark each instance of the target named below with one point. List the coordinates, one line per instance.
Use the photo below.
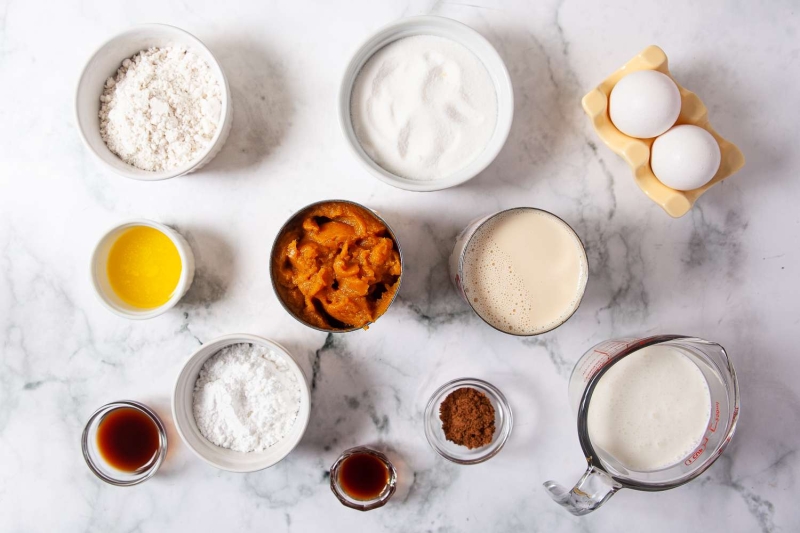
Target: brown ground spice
(467, 418)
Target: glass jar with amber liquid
(363, 479)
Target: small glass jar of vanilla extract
(363, 479)
(124, 443)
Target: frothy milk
(651, 409)
(524, 271)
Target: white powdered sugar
(246, 398)
(161, 110)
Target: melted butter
(144, 267)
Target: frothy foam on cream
(524, 271)
(651, 409)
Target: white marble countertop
(723, 272)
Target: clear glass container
(462, 455)
(458, 258)
(100, 467)
(354, 503)
(605, 475)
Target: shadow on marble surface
(262, 105)
(764, 449)
(547, 111)
(528, 403)
(341, 396)
(770, 415)
(427, 239)
(736, 115)
(738, 118)
(215, 267)
(163, 408)
(405, 473)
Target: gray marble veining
(726, 271)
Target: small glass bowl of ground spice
(467, 421)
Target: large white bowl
(98, 271)
(474, 42)
(104, 64)
(224, 458)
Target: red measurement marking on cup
(594, 368)
(611, 348)
(713, 428)
(697, 453)
(603, 354)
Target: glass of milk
(523, 270)
(653, 413)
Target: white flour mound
(246, 398)
(161, 110)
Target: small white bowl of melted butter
(141, 269)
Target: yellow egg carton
(637, 151)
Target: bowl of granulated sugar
(153, 103)
(241, 403)
(426, 103)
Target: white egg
(685, 158)
(644, 104)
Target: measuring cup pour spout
(592, 491)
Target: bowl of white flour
(426, 103)
(153, 103)
(241, 403)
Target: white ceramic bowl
(99, 273)
(104, 64)
(455, 31)
(223, 458)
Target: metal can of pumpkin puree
(292, 219)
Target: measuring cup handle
(592, 491)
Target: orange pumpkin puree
(336, 267)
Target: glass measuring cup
(605, 475)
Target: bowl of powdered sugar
(426, 103)
(153, 103)
(241, 403)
